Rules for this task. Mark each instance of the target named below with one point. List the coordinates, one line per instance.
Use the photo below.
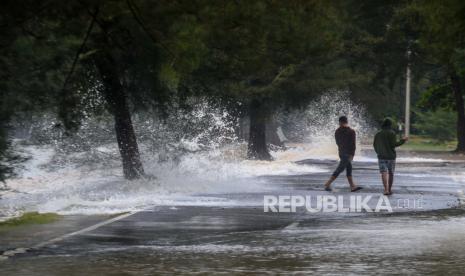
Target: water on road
(230, 232)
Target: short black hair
(387, 123)
(343, 120)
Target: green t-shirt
(385, 144)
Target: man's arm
(353, 142)
(400, 142)
(396, 143)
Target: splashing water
(195, 156)
(190, 152)
(315, 126)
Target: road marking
(10, 253)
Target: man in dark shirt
(345, 140)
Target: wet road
(243, 239)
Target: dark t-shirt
(345, 140)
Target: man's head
(387, 123)
(343, 121)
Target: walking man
(385, 144)
(345, 140)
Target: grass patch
(424, 143)
(30, 218)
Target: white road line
(9, 253)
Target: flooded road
(240, 238)
(241, 241)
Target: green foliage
(436, 31)
(261, 49)
(283, 53)
(442, 29)
(436, 96)
(429, 144)
(169, 77)
(439, 124)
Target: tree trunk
(457, 89)
(257, 148)
(117, 101)
(272, 137)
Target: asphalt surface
(243, 239)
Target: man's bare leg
(391, 181)
(385, 179)
(328, 183)
(351, 183)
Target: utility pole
(407, 97)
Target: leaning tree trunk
(257, 148)
(458, 96)
(117, 101)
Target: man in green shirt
(385, 144)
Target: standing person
(345, 140)
(385, 144)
